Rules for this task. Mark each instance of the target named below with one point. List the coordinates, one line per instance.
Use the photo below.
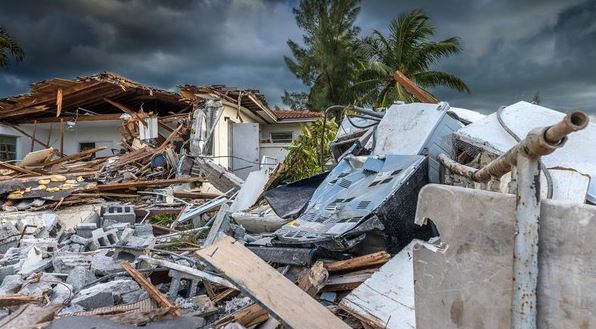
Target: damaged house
(124, 205)
(87, 113)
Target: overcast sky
(511, 49)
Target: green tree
(296, 100)
(536, 98)
(408, 48)
(9, 46)
(327, 61)
(304, 156)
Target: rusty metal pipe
(540, 141)
(573, 121)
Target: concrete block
(103, 265)
(11, 284)
(8, 237)
(48, 245)
(64, 262)
(101, 238)
(75, 238)
(85, 229)
(78, 277)
(105, 294)
(119, 214)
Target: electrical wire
(360, 127)
(549, 179)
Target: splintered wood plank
(150, 289)
(369, 260)
(284, 300)
(58, 102)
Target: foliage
(408, 48)
(327, 62)
(536, 98)
(296, 100)
(9, 45)
(163, 219)
(304, 157)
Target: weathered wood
(18, 169)
(75, 156)
(356, 263)
(80, 118)
(284, 300)
(188, 270)
(126, 110)
(58, 102)
(314, 279)
(348, 281)
(14, 300)
(249, 316)
(62, 136)
(153, 292)
(195, 195)
(418, 93)
(33, 135)
(220, 225)
(147, 183)
(29, 315)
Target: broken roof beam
(418, 93)
(80, 118)
(147, 183)
(126, 110)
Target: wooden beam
(18, 169)
(61, 136)
(50, 97)
(418, 93)
(80, 118)
(147, 183)
(151, 290)
(292, 306)
(377, 258)
(126, 110)
(58, 102)
(33, 135)
(27, 111)
(75, 156)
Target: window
(8, 148)
(281, 137)
(86, 146)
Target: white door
(245, 148)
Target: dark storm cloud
(511, 48)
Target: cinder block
(119, 214)
(85, 229)
(100, 238)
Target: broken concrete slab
(105, 294)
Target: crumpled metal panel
(352, 199)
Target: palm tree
(9, 45)
(409, 49)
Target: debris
(151, 290)
(259, 280)
(356, 263)
(386, 299)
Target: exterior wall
(104, 133)
(277, 150)
(23, 143)
(222, 145)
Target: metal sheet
(356, 197)
(470, 284)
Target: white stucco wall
(221, 141)
(104, 133)
(277, 150)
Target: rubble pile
(132, 239)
